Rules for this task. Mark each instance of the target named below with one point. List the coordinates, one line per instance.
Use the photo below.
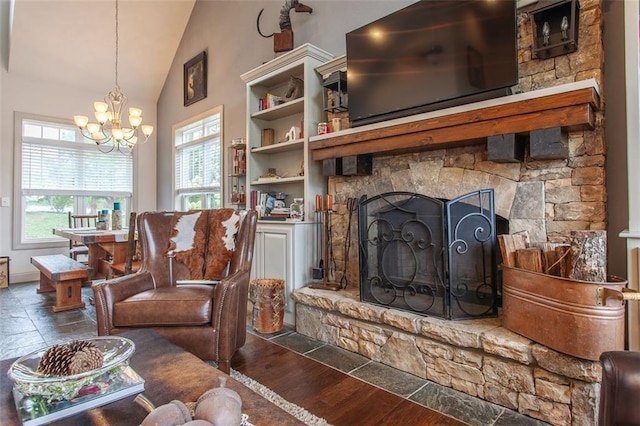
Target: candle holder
(555, 28)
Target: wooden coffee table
(170, 373)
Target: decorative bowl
(115, 351)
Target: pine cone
(55, 361)
(86, 359)
(72, 358)
(78, 345)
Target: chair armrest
(619, 388)
(229, 313)
(107, 293)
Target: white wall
(227, 30)
(24, 94)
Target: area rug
(291, 408)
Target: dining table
(105, 247)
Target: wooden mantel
(570, 106)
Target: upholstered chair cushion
(183, 305)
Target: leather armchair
(620, 388)
(207, 320)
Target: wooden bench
(63, 275)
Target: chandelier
(108, 133)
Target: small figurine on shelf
(234, 194)
(242, 196)
(243, 162)
(236, 163)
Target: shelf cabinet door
(285, 251)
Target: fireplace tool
(317, 271)
(327, 265)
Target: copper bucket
(579, 318)
(267, 296)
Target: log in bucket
(267, 296)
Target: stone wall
(547, 198)
(477, 357)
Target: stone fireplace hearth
(478, 357)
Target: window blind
(198, 156)
(198, 166)
(73, 168)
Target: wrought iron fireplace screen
(429, 256)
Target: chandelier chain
(117, 42)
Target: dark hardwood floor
(326, 392)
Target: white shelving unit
(285, 249)
(300, 176)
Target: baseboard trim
(23, 277)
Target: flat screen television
(431, 55)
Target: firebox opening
(430, 256)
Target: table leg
(96, 255)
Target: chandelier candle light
(108, 132)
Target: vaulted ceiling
(72, 42)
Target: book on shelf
(111, 386)
(269, 101)
(268, 137)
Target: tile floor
(28, 323)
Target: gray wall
(227, 30)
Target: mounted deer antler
(283, 41)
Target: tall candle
(329, 202)
(318, 203)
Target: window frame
(19, 240)
(180, 195)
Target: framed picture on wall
(195, 79)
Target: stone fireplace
(547, 198)
(444, 154)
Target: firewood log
(589, 255)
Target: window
(198, 167)
(59, 171)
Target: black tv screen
(431, 55)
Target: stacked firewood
(583, 257)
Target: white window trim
(18, 207)
(174, 129)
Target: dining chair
(132, 261)
(80, 221)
